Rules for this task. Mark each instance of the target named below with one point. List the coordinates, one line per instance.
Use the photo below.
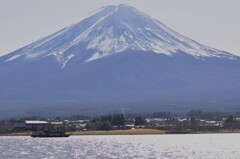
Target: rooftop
(36, 122)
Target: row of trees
(6, 126)
(197, 114)
(116, 121)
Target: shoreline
(131, 132)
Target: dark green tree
(230, 119)
(165, 115)
(118, 120)
(106, 125)
(106, 118)
(197, 114)
(140, 120)
(230, 122)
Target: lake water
(207, 146)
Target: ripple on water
(212, 146)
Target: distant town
(195, 121)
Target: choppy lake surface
(206, 146)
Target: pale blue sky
(212, 22)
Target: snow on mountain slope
(112, 30)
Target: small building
(130, 126)
(214, 123)
(80, 124)
(36, 125)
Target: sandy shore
(129, 132)
(17, 134)
(121, 132)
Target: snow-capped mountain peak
(118, 57)
(112, 30)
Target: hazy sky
(212, 22)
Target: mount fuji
(117, 58)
